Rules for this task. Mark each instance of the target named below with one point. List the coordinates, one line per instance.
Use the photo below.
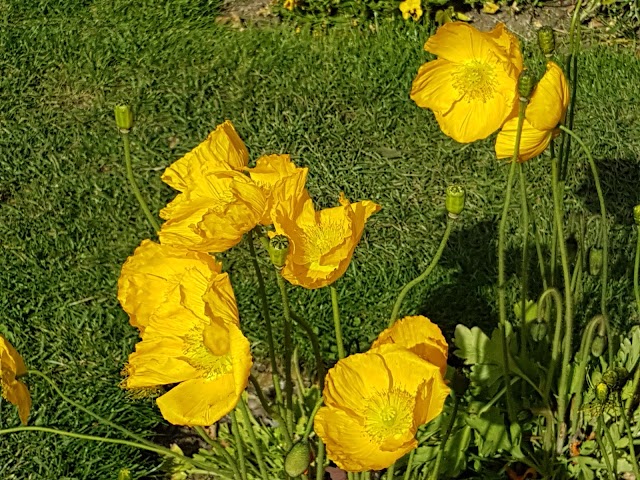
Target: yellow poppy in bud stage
(321, 243)
(156, 273)
(213, 214)
(411, 8)
(13, 390)
(206, 354)
(222, 150)
(545, 111)
(278, 177)
(374, 404)
(419, 335)
(472, 86)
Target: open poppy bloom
(472, 86)
(157, 273)
(321, 243)
(206, 354)
(545, 111)
(13, 390)
(411, 8)
(374, 404)
(419, 335)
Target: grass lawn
(337, 102)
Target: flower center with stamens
(475, 80)
(320, 239)
(208, 350)
(389, 414)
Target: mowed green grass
(337, 102)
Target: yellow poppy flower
(213, 214)
(321, 244)
(205, 354)
(13, 390)
(545, 111)
(472, 86)
(374, 403)
(271, 174)
(156, 273)
(411, 8)
(222, 150)
(419, 335)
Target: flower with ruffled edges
(13, 390)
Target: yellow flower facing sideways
(13, 390)
(374, 403)
(419, 335)
(411, 8)
(204, 353)
(156, 274)
(472, 86)
(321, 243)
(545, 111)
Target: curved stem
(602, 448)
(315, 345)
(134, 186)
(407, 473)
(555, 348)
(390, 471)
(271, 410)
(434, 261)
(287, 353)
(614, 454)
(632, 450)
(235, 428)
(262, 292)
(443, 442)
(525, 259)
(309, 427)
(636, 270)
(246, 418)
(142, 446)
(568, 318)
(538, 242)
(220, 450)
(97, 417)
(336, 321)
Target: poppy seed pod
(547, 40)
(597, 346)
(526, 83)
(278, 250)
(298, 459)
(636, 214)
(454, 200)
(124, 117)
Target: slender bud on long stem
(454, 200)
(547, 40)
(124, 118)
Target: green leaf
(491, 432)
(531, 311)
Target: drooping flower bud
(526, 83)
(124, 118)
(597, 346)
(547, 40)
(454, 200)
(636, 214)
(298, 459)
(595, 261)
(278, 250)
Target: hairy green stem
(568, 319)
(525, 259)
(632, 450)
(287, 352)
(320, 460)
(445, 438)
(336, 321)
(538, 242)
(257, 451)
(434, 261)
(407, 472)
(262, 292)
(636, 271)
(390, 471)
(235, 428)
(217, 448)
(315, 345)
(603, 450)
(134, 186)
(614, 454)
(309, 427)
(555, 346)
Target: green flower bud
(602, 391)
(615, 378)
(526, 83)
(454, 200)
(124, 474)
(547, 40)
(124, 117)
(538, 331)
(278, 250)
(595, 261)
(598, 345)
(636, 214)
(298, 459)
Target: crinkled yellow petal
(270, 169)
(430, 398)
(223, 149)
(532, 141)
(550, 99)
(349, 446)
(220, 301)
(509, 42)
(12, 389)
(433, 86)
(17, 393)
(12, 358)
(419, 335)
(460, 42)
(154, 273)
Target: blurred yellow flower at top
(322, 243)
(205, 353)
(290, 4)
(13, 390)
(156, 273)
(419, 335)
(374, 404)
(472, 86)
(545, 111)
(411, 8)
